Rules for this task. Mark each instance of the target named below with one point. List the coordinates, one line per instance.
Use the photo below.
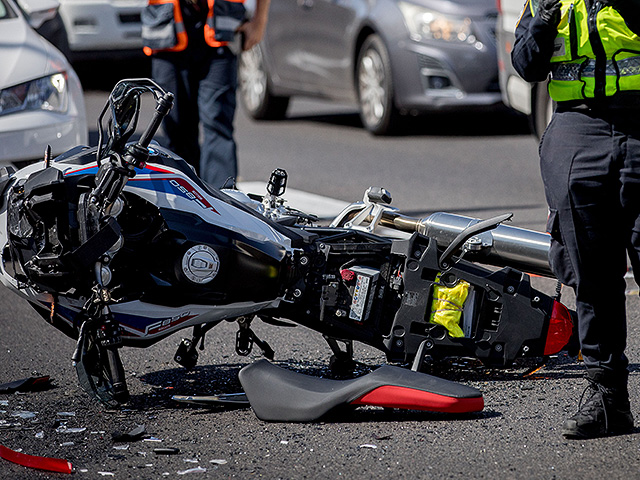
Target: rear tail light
(560, 329)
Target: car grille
(429, 62)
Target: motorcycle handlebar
(163, 106)
(112, 177)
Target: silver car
(392, 57)
(41, 99)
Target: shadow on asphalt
(492, 122)
(223, 379)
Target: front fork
(98, 342)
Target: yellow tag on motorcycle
(448, 305)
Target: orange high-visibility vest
(180, 31)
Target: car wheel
(253, 85)
(543, 108)
(375, 87)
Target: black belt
(618, 102)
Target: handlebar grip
(162, 108)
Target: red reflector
(347, 275)
(560, 329)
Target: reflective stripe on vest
(568, 72)
(178, 27)
(595, 53)
(226, 25)
(219, 28)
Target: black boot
(606, 410)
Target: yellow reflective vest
(595, 55)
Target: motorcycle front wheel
(100, 372)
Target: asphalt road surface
(473, 164)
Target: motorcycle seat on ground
(276, 394)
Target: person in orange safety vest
(193, 46)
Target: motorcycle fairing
(280, 395)
(166, 187)
(191, 213)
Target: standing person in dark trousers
(590, 164)
(191, 42)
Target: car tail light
(560, 329)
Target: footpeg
(186, 355)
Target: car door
(327, 44)
(283, 46)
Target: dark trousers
(203, 81)
(590, 163)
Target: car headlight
(425, 24)
(46, 93)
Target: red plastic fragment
(32, 461)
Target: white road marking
(323, 207)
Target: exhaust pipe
(523, 249)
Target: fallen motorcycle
(123, 245)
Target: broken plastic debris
(66, 414)
(192, 470)
(32, 461)
(106, 474)
(65, 429)
(152, 439)
(121, 447)
(135, 434)
(5, 424)
(191, 460)
(230, 399)
(166, 451)
(67, 444)
(218, 461)
(25, 415)
(4, 403)
(368, 445)
(30, 384)
(40, 435)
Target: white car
(532, 99)
(102, 27)
(41, 99)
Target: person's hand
(253, 31)
(549, 12)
